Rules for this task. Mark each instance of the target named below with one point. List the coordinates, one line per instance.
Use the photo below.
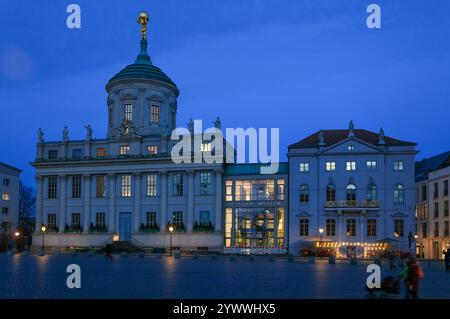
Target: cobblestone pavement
(150, 277)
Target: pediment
(303, 215)
(359, 146)
(128, 97)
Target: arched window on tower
(331, 193)
(371, 192)
(351, 192)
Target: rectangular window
(101, 152)
(350, 166)
(435, 190)
(6, 181)
(51, 221)
(331, 227)
(229, 190)
(304, 167)
(151, 185)
(304, 227)
(52, 187)
(124, 150)
(76, 220)
(330, 166)
(205, 216)
(152, 149)
(371, 165)
(371, 227)
(100, 220)
(76, 153)
(424, 230)
(446, 209)
(228, 226)
(280, 189)
(178, 184)
(128, 109)
(125, 187)
(154, 114)
(76, 186)
(424, 192)
(206, 147)
(177, 218)
(5, 210)
(5, 196)
(446, 229)
(436, 210)
(351, 227)
(399, 166)
(205, 183)
(150, 219)
(100, 186)
(445, 188)
(399, 229)
(4, 227)
(436, 229)
(52, 154)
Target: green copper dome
(143, 69)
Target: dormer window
(128, 111)
(154, 114)
(152, 149)
(351, 147)
(52, 154)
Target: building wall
(11, 217)
(384, 177)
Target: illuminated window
(351, 147)
(100, 186)
(280, 189)
(399, 227)
(206, 147)
(228, 226)
(304, 167)
(52, 187)
(124, 150)
(399, 165)
(151, 185)
(229, 190)
(371, 227)
(351, 192)
(371, 165)
(152, 149)
(331, 227)
(280, 231)
(330, 166)
(76, 186)
(351, 227)
(154, 114)
(350, 166)
(5, 196)
(125, 182)
(101, 152)
(128, 109)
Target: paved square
(150, 277)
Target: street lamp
(43, 230)
(320, 245)
(171, 232)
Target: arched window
(399, 194)
(371, 192)
(331, 193)
(351, 192)
(304, 193)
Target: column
(361, 229)
(62, 203)
(137, 202)
(163, 176)
(190, 201)
(39, 195)
(218, 214)
(87, 203)
(112, 203)
(339, 228)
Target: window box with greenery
(97, 228)
(205, 227)
(74, 229)
(177, 228)
(149, 228)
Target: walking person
(108, 251)
(412, 274)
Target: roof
(331, 137)
(143, 68)
(252, 169)
(428, 165)
(10, 167)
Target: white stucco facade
(9, 198)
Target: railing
(352, 204)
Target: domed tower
(142, 99)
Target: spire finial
(381, 136)
(143, 57)
(351, 127)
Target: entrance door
(125, 226)
(436, 250)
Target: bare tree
(27, 207)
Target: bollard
(312, 259)
(291, 259)
(177, 255)
(159, 255)
(331, 260)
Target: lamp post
(16, 236)
(171, 232)
(43, 230)
(320, 244)
(415, 246)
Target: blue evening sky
(297, 65)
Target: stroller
(390, 286)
